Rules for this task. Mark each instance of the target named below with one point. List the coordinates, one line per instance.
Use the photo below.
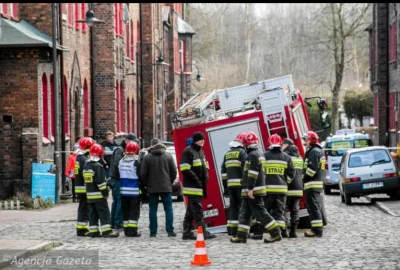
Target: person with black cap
(295, 187)
(118, 153)
(194, 168)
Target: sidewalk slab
(385, 204)
(11, 249)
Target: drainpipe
(387, 76)
(92, 85)
(63, 157)
(141, 78)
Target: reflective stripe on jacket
(314, 168)
(129, 178)
(95, 181)
(80, 187)
(232, 167)
(253, 173)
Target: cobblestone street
(357, 237)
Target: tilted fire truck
(267, 107)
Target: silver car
(367, 170)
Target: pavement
(360, 236)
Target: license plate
(210, 213)
(373, 185)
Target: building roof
(23, 34)
(184, 27)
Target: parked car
(368, 170)
(335, 147)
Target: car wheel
(347, 199)
(179, 198)
(323, 212)
(327, 190)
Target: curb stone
(29, 252)
(381, 206)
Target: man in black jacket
(109, 145)
(194, 168)
(158, 172)
(116, 212)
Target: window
(45, 107)
(66, 111)
(393, 42)
(120, 18)
(83, 15)
(127, 41)
(132, 114)
(52, 113)
(70, 16)
(178, 8)
(128, 107)
(77, 16)
(117, 107)
(14, 10)
(182, 55)
(115, 18)
(132, 44)
(138, 32)
(4, 8)
(176, 55)
(368, 158)
(121, 103)
(85, 104)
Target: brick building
(384, 72)
(106, 69)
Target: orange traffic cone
(200, 255)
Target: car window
(342, 162)
(338, 148)
(366, 158)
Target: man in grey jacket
(158, 172)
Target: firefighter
(80, 190)
(252, 194)
(97, 194)
(128, 170)
(194, 168)
(313, 175)
(279, 171)
(231, 172)
(295, 188)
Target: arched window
(66, 110)
(45, 107)
(122, 98)
(132, 43)
(77, 16)
(52, 111)
(117, 106)
(83, 15)
(128, 108)
(85, 104)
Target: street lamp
(91, 20)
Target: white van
(335, 147)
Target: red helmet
(85, 143)
(250, 138)
(240, 137)
(314, 138)
(275, 140)
(132, 148)
(96, 151)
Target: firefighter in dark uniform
(295, 188)
(97, 194)
(194, 168)
(313, 175)
(279, 171)
(253, 191)
(128, 170)
(231, 172)
(80, 189)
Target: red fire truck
(267, 107)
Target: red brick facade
(123, 55)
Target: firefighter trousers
(83, 215)
(99, 210)
(275, 205)
(293, 203)
(255, 207)
(234, 209)
(194, 211)
(130, 212)
(313, 199)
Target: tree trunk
(248, 47)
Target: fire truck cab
(267, 107)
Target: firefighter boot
(134, 232)
(110, 234)
(284, 233)
(187, 233)
(312, 234)
(293, 228)
(275, 236)
(238, 240)
(258, 231)
(229, 229)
